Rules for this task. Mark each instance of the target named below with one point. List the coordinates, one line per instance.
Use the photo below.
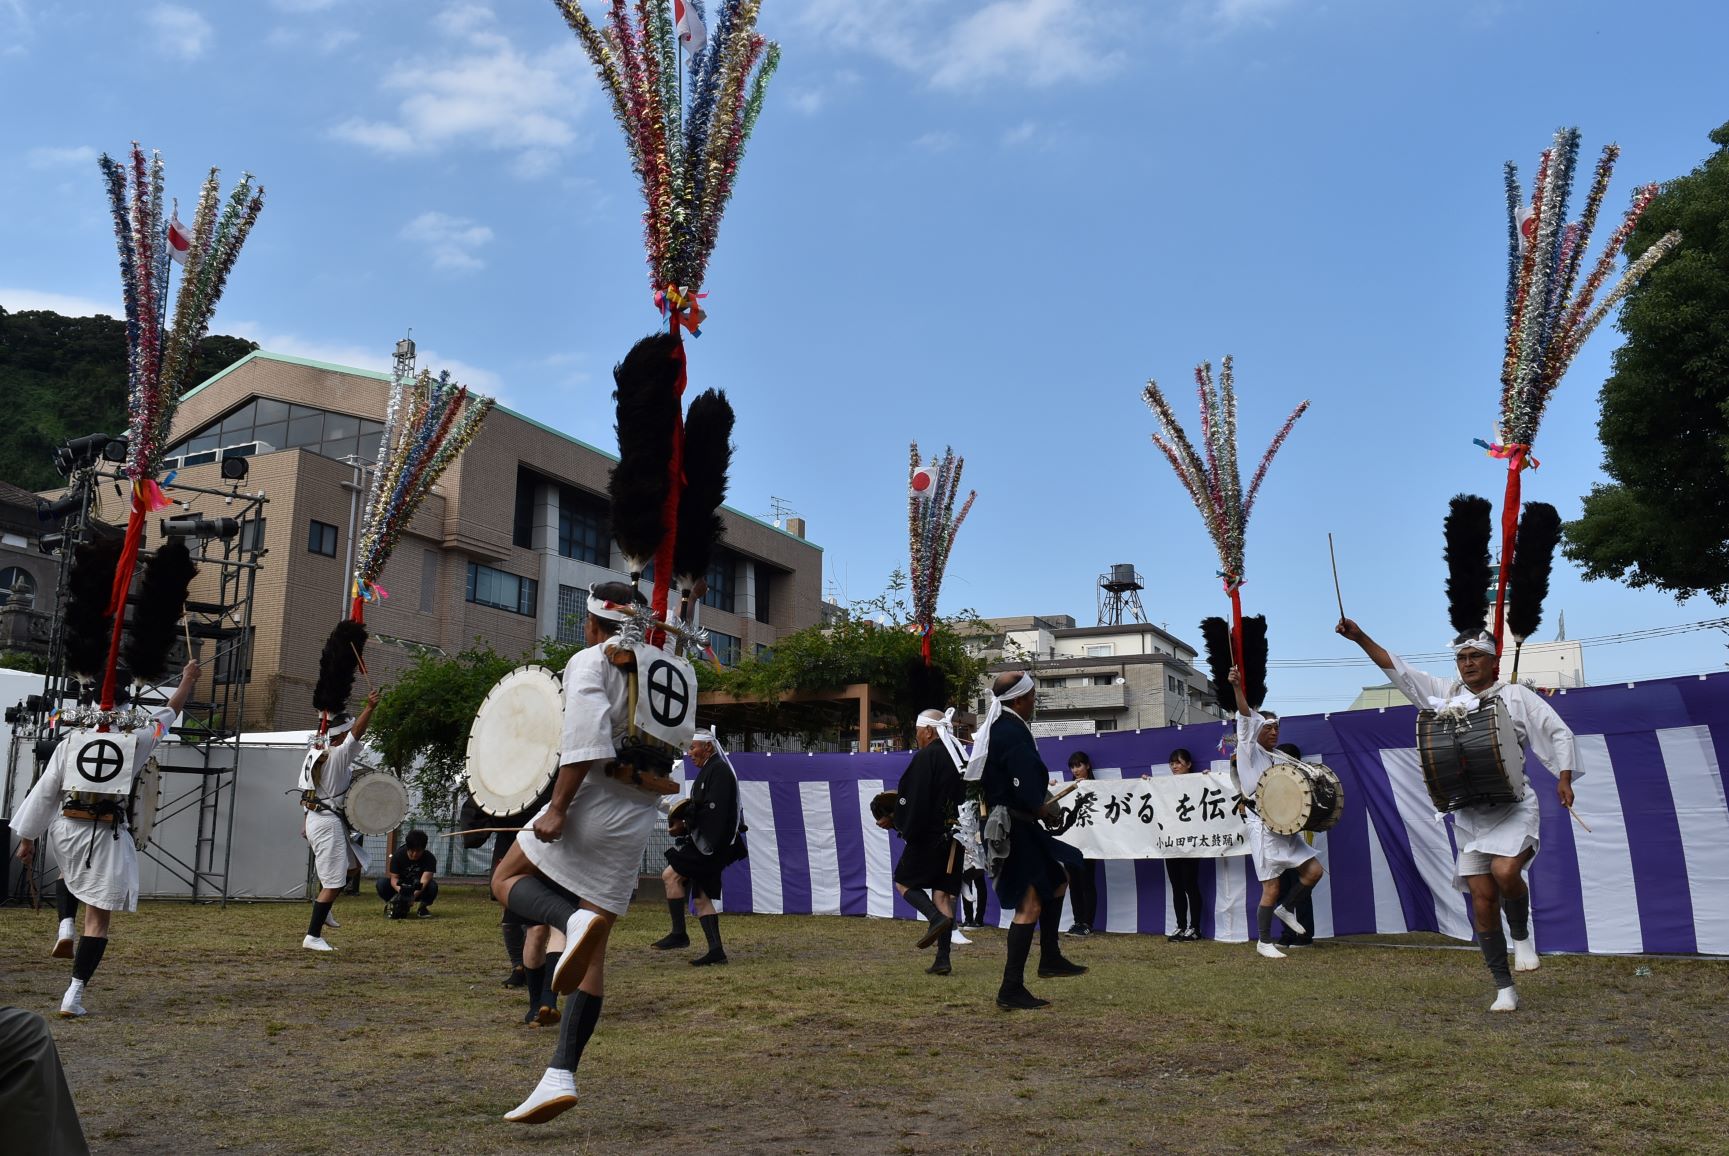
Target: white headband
(708, 736)
(340, 728)
(1482, 642)
(601, 608)
(943, 722)
(937, 719)
(981, 744)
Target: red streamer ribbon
(925, 644)
(674, 489)
(1516, 463)
(1232, 588)
(122, 584)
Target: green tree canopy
(425, 715)
(64, 377)
(1664, 520)
(876, 644)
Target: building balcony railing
(1113, 697)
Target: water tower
(1120, 596)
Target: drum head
(377, 803)
(514, 741)
(146, 797)
(1284, 799)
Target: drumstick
(361, 663)
(483, 831)
(186, 628)
(1577, 819)
(1335, 558)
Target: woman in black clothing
(1184, 874)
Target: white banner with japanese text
(1168, 817)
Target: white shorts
(332, 851)
(599, 856)
(1485, 834)
(1274, 854)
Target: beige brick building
(502, 551)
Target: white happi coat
(1502, 829)
(98, 861)
(609, 821)
(1272, 853)
(332, 850)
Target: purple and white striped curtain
(1652, 875)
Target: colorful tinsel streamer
(1547, 320)
(685, 141)
(931, 528)
(1213, 481)
(428, 421)
(160, 354)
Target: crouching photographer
(410, 879)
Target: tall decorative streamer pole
(931, 528)
(685, 144)
(1212, 480)
(160, 352)
(1548, 319)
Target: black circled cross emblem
(100, 760)
(668, 693)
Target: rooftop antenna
(779, 511)
(403, 368)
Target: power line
(1616, 639)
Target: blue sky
(983, 225)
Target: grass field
(212, 1030)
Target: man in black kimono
(927, 806)
(1031, 871)
(709, 841)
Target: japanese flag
(924, 482)
(179, 238)
(1527, 227)
(688, 21)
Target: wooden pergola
(872, 715)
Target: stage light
(47, 511)
(115, 450)
(195, 527)
(234, 468)
(80, 452)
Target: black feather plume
(707, 455)
(156, 613)
(336, 667)
(927, 687)
(1216, 635)
(1467, 530)
(88, 626)
(1528, 578)
(647, 397)
(1255, 660)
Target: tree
(1664, 425)
(64, 377)
(875, 643)
(425, 715)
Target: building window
(726, 647)
(267, 425)
(234, 661)
(17, 576)
(722, 581)
(501, 591)
(582, 527)
(1102, 650)
(1104, 680)
(321, 538)
(522, 517)
(428, 581)
(764, 653)
(572, 613)
(1053, 683)
(764, 588)
(1105, 724)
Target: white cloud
(1039, 43)
(180, 32)
(450, 242)
(72, 156)
(807, 101)
(18, 300)
(1020, 134)
(487, 94)
(936, 141)
(376, 358)
(1233, 13)
(323, 41)
(300, 7)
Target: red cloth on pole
(117, 593)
